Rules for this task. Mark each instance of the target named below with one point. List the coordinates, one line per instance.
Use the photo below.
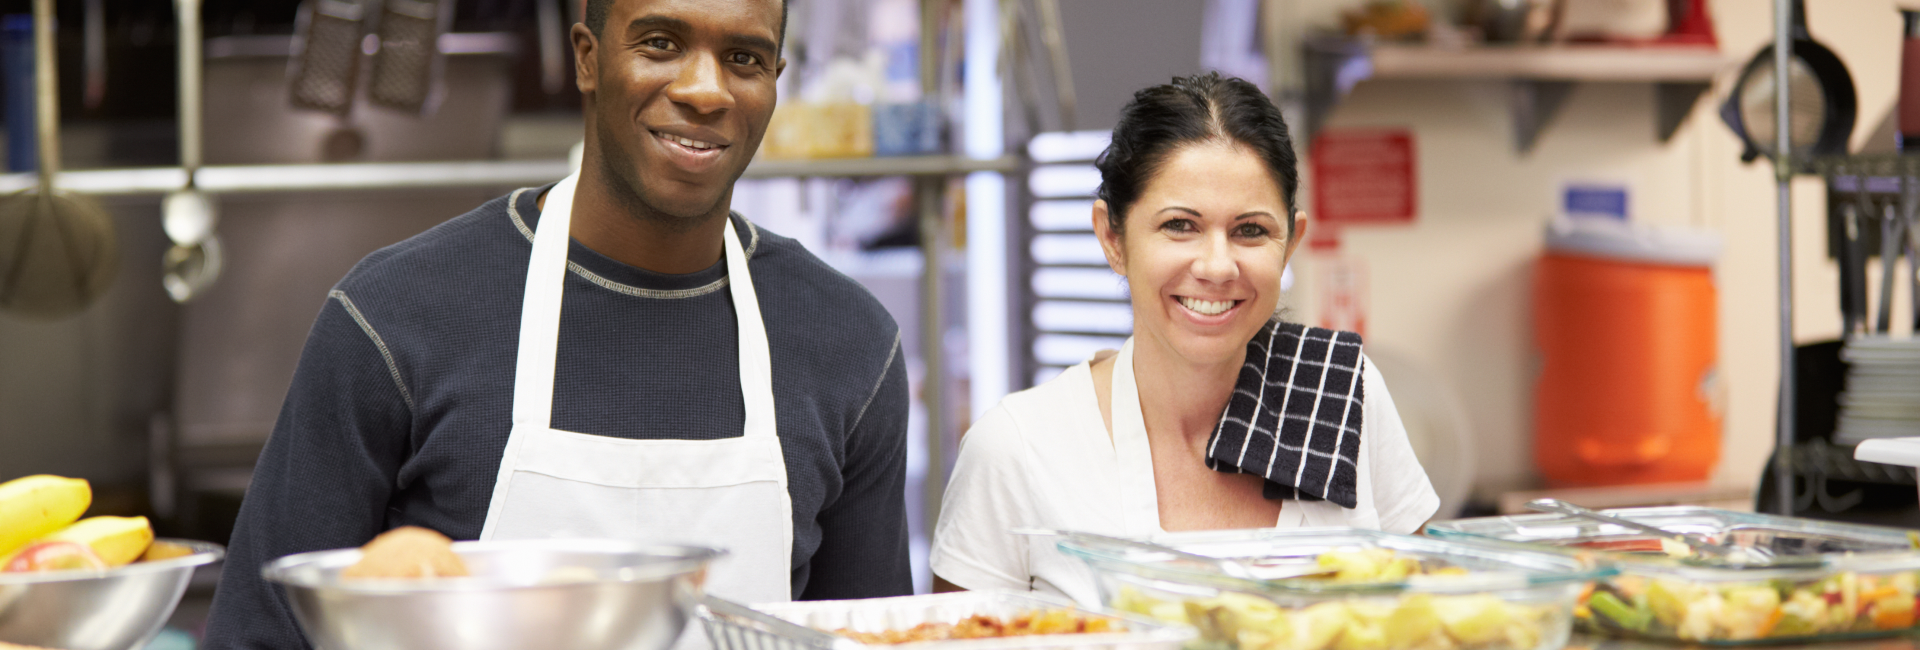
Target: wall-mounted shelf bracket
(1541, 76)
(1675, 100)
(1533, 104)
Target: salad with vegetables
(1412, 621)
(1844, 602)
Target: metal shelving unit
(233, 179)
(1541, 76)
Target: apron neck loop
(540, 321)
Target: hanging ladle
(189, 215)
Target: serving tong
(1229, 567)
(1715, 553)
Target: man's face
(680, 92)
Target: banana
(35, 506)
(117, 540)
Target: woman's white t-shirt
(1042, 458)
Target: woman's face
(1203, 251)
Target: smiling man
(617, 355)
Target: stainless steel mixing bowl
(117, 609)
(573, 594)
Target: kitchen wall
(77, 395)
(1451, 290)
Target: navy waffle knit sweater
(400, 406)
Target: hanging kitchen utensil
(188, 215)
(1893, 233)
(1853, 310)
(1853, 251)
(1824, 105)
(59, 248)
(408, 66)
(553, 46)
(1910, 212)
(1054, 36)
(187, 271)
(326, 60)
(93, 42)
(1034, 26)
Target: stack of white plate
(1882, 399)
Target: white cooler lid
(1621, 240)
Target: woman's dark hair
(1189, 110)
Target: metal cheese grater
(406, 69)
(327, 54)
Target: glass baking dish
(812, 625)
(1426, 594)
(1862, 583)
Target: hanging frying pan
(1824, 105)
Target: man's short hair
(597, 17)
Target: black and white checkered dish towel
(1305, 383)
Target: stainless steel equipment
(87, 610)
(407, 67)
(575, 594)
(327, 62)
(190, 216)
(801, 625)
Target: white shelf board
(1549, 62)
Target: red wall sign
(1363, 177)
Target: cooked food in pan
(1052, 621)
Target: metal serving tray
(803, 625)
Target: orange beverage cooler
(1626, 321)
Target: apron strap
(540, 310)
(1139, 500)
(756, 362)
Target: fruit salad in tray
(1343, 589)
(1809, 581)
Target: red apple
(54, 556)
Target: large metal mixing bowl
(574, 594)
(117, 609)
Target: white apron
(1139, 498)
(729, 493)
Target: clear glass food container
(1391, 592)
(815, 625)
(1851, 580)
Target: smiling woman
(1215, 414)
